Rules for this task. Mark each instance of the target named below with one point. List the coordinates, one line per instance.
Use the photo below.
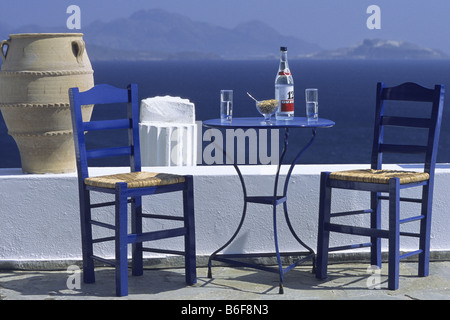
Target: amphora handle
(2, 45)
(78, 47)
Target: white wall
(39, 218)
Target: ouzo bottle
(284, 89)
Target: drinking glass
(312, 104)
(226, 105)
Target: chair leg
(86, 238)
(121, 240)
(323, 234)
(425, 229)
(136, 228)
(189, 240)
(394, 233)
(375, 223)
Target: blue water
(346, 96)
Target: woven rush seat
(379, 176)
(135, 180)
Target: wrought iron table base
(274, 200)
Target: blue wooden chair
(126, 188)
(386, 184)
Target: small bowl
(267, 108)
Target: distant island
(368, 49)
(160, 35)
(380, 49)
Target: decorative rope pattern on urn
(43, 134)
(38, 105)
(46, 73)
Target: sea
(346, 96)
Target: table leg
(244, 212)
(286, 184)
(275, 193)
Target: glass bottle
(284, 89)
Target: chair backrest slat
(408, 91)
(400, 148)
(106, 125)
(406, 122)
(411, 92)
(105, 94)
(108, 152)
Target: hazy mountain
(381, 49)
(161, 31)
(157, 35)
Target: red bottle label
(287, 105)
(286, 97)
(285, 72)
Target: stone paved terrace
(346, 282)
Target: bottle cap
(283, 49)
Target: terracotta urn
(36, 74)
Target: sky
(331, 24)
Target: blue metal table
(273, 200)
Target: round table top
(258, 122)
